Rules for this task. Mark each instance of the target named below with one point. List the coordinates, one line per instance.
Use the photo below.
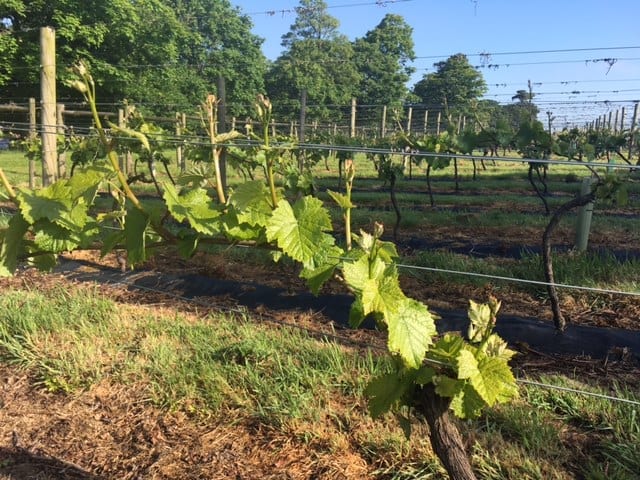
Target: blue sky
(442, 28)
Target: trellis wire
(522, 280)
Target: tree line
(167, 55)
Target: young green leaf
(300, 231)
(136, 222)
(410, 332)
(11, 243)
(342, 200)
(384, 392)
(194, 206)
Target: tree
(523, 110)
(220, 43)
(318, 60)
(453, 87)
(383, 56)
(165, 54)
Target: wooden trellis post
(352, 124)
(32, 136)
(62, 156)
(48, 103)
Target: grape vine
(467, 374)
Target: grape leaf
(481, 319)
(410, 331)
(50, 237)
(194, 206)
(44, 262)
(187, 245)
(490, 377)
(342, 200)
(251, 200)
(326, 260)
(11, 243)
(300, 230)
(383, 392)
(136, 223)
(50, 202)
(467, 403)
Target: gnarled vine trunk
(558, 319)
(443, 432)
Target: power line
(287, 11)
(531, 52)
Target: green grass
(75, 339)
(229, 367)
(585, 269)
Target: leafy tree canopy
(454, 86)
(165, 54)
(318, 60)
(383, 56)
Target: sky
(582, 57)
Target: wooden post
(409, 118)
(615, 122)
(48, 103)
(438, 123)
(303, 115)
(383, 122)
(233, 123)
(609, 121)
(622, 120)
(634, 122)
(426, 121)
(291, 129)
(180, 161)
(352, 124)
(222, 127)
(273, 128)
(122, 158)
(62, 156)
(32, 136)
(301, 132)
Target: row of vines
(275, 208)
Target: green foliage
(300, 230)
(382, 57)
(126, 42)
(454, 87)
(473, 374)
(318, 60)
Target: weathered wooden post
(634, 122)
(48, 103)
(409, 118)
(32, 136)
(62, 156)
(352, 124)
(383, 122)
(181, 121)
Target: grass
(226, 367)
(585, 269)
